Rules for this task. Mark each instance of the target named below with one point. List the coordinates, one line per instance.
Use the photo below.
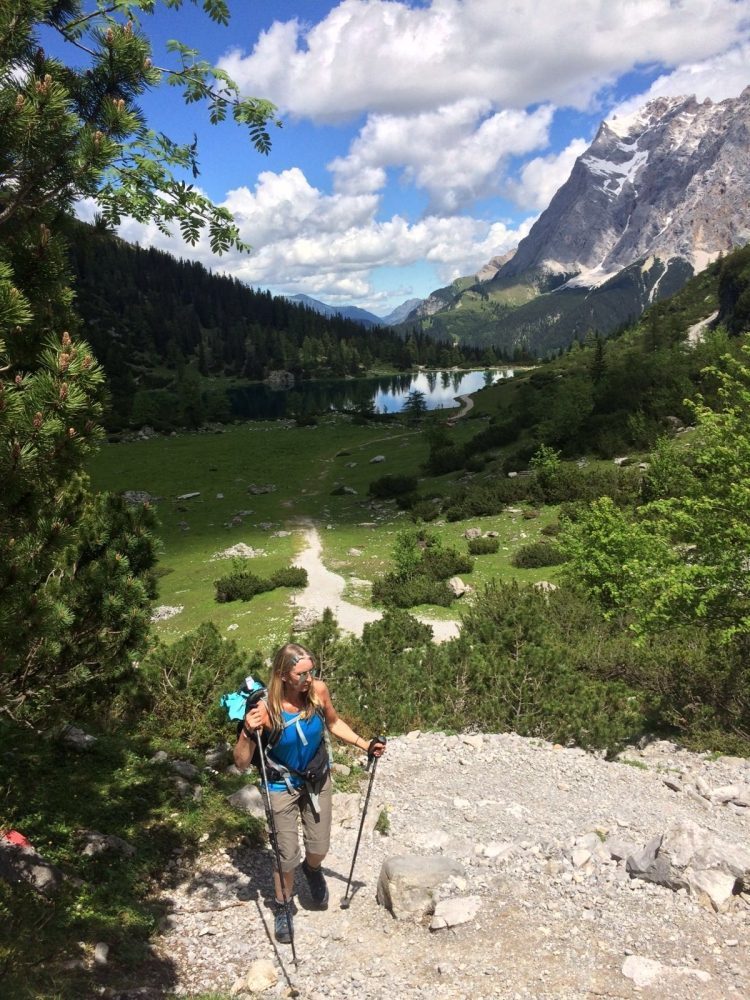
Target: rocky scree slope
(540, 834)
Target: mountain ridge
(654, 199)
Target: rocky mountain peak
(671, 180)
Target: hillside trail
(509, 810)
(696, 332)
(325, 590)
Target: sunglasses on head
(304, 675)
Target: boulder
(410, 886)
(687, 856)
(377, 459)
(457, 586)
(473, 533)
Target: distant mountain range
(355, 313)
(656, 197)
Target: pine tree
(75, 568)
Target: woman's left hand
(376, 747)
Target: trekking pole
(346, 902)
(275, 841)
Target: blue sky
(420, 139)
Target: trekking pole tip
(345, 903)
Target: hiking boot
(282, 925)
(317, 884)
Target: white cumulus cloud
(328, 245)
(541, 177)
(455, 153)
(384, 56)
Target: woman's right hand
(257, 717)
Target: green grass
(304, 464)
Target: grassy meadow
(303, 465)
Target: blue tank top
(296, 746)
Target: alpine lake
(386, 394)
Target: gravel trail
(509, 810)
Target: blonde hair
(287, 657)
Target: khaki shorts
(287, 807)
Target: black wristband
(249, 733)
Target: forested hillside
(149, 317)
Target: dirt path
(325, 590)
(696, 332)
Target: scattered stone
(261, 976)
(473, 533)
(101, 953)
(164, 612)
(188, 496)
(687, 856)
(643, 971)
(218, 758)
(457, 586)
(355, 552)
(96, 843)
(452, 912)
(137, 498)
(238, 551)
(248, 799)
(377, 459)
(410, 885)
(305, 619)
(185, 769)
(23, 864)
(76, 739)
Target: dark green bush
(425, 510)
(442, 563)
(407, 592)
(396, 631)
(537, 554)
(181, 686)
(290, 576)
(241, 585)
(487, 498)
(389, 487)
(552, 530)
(483, 546)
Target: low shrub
(407, 592)
(241, 585)
(440, 563)
(537, 554)
(290, 576)
(425, 510)
(389, 487)
(396, 631)
(483, 546)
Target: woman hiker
(297, 711)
